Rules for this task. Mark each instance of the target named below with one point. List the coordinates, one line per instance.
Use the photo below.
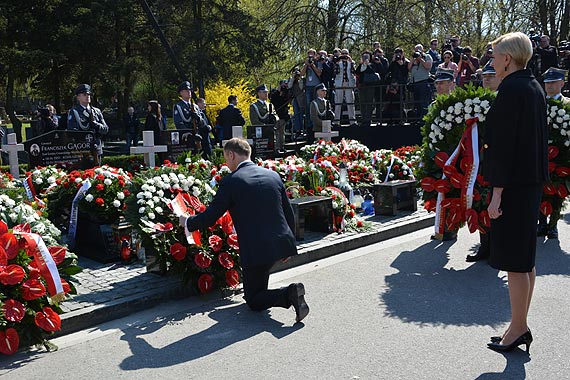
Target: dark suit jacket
(516, 133)
(261, 212)
(228, 117)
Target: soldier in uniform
(187, 115)
(443, 81)
(320, 108)
(261, 112)
(84, 117)
(490, 79)
(553, 84)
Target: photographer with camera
(455, 48)
(368, 79)
(419, 68)
(297, 96)
(84, 117)
(546, 55)
(485, 58)
(398, 69)
(48, 120)
(327, 71)
(467, 66)
(380, 65)
(311, 72)
(344, 82)
(280, 100)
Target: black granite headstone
(73, 149)
(263, 137)
(177, 141)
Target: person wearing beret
(319, 108)
(84, 117)
(516, 166)
(187, 114)
(444, 81)
(263, 217)
(261, 112)
(553, 80)
(491, 82)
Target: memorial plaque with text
(178, 142)
(263, 141)
(72, 149)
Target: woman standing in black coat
(153, 120)
(516, 165)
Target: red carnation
(226, 260)
(13, 310)
(12, 274)
(215, 243)
(100, 201)
(430, 204)
(100, 187)
(9, 341)
(10, 244)
(202, 260)
(33, 289)
(47, 319)
(178, 251)
(100, 177)
(232, 278)
(359, 224)
(126, 192)
(205, 283)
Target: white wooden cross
(237, 131)
(13, 148)
(148, 148)
(326, 134)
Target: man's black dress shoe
(296, 293)
(552, 233)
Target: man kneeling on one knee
(256, 200)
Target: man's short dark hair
(200, 100)
(432, 41)
(232, 98)
(239, 146)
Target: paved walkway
(111, 291)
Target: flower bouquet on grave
(389, 166)
(353, 150)
(320, 149)
(555, 191)
(411, 156)
(41, 180)
(35, 274)
(448, 167)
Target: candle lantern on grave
(343, 184)
(123, 240)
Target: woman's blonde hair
(517, 45)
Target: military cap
(261, 87)
(443, 74)
(83, 89)
(184, 86)
(320, 86)
(488, 68)
(553, 74)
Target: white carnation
(78, 179)
(89, 198)
(51, 180)
(142, 210)
(449, 117)
(151, 215)
(107, 181)
(458, 119)
(158, 209)
(117, 203)
(468, 102)
(160, 193)
(39, 180)
(120, 195)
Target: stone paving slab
(111, 291)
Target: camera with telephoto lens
(490, 51)
(465, 57)
(398, 57)
(310, 60)
(43, 112)
(416, 54)
(533, 36)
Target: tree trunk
(16, 123)
(332, 25)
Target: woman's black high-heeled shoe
(525, 339)
(497, 338)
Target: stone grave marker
(73, 149)
(148, 149)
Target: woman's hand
(494, 208)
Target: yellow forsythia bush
(217, 98)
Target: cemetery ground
(404, 308)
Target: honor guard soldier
(490, 79)
(320, 109)
(187, 114)
(443, 81)
(84, 117)
(553, 84)
(261, 112)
